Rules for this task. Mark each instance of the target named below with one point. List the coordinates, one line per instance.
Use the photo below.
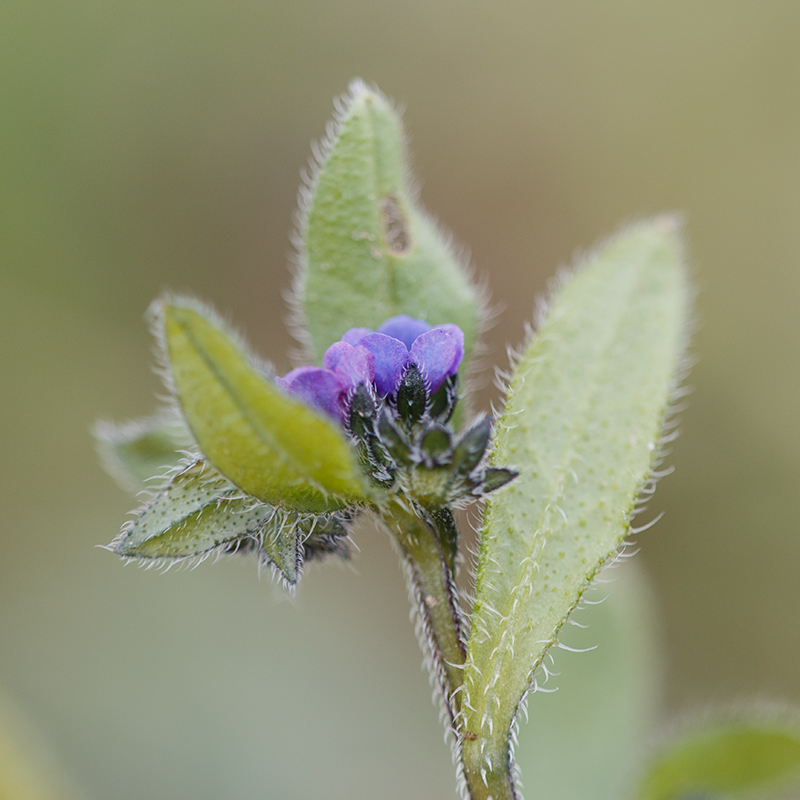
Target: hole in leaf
(395, 226)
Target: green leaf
(735, 758)
(141, 449)
(583, 421)
(586, 740)
(367, 249)
(270, 445)
(195, 513)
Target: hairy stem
(488, 775)
(488, 770)
(434, 589)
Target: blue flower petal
(355, 334)
(391, 360)
(404, 328)
(438, 354)
(318, 387)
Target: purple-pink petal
(438, 354)
(318, 387)
(404, 328)
(354, 335)
(355, 365)
(391, 360)
(334, 354)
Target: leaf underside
(584, 415)
(195, 513)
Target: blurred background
(157, 144)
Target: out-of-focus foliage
(588, 738)
(752, 755)
(138, 451)
(27, 770)
(156, 144)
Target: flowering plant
(389, 318)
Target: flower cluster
(394, 391)
(379, 360)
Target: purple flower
(401, 341)
(326, 388)
(404, 328)
(318, 387)
(378, 359)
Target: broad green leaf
(195, 513)
(367, 249)
(270, 445)
(587, 739)
(583, 419)
(734, 758)
(141, 449)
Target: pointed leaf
(584, 416)
(141, 449)
(734, 758)
(195, 513)
(269, 444)
(368, 251)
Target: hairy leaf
(195, 513)
(583, 420)
(367, 249)
(735, 758)
(267, 443)
(141, 449)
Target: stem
(488, 770)
(434, 590)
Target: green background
(152, 145)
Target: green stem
(488, 769)
(434, 589)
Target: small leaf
(142, 449)
(735, 758)
(195, 513)
(583, 420)
(367, 249)
(270, 445)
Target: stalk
(434, 591)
